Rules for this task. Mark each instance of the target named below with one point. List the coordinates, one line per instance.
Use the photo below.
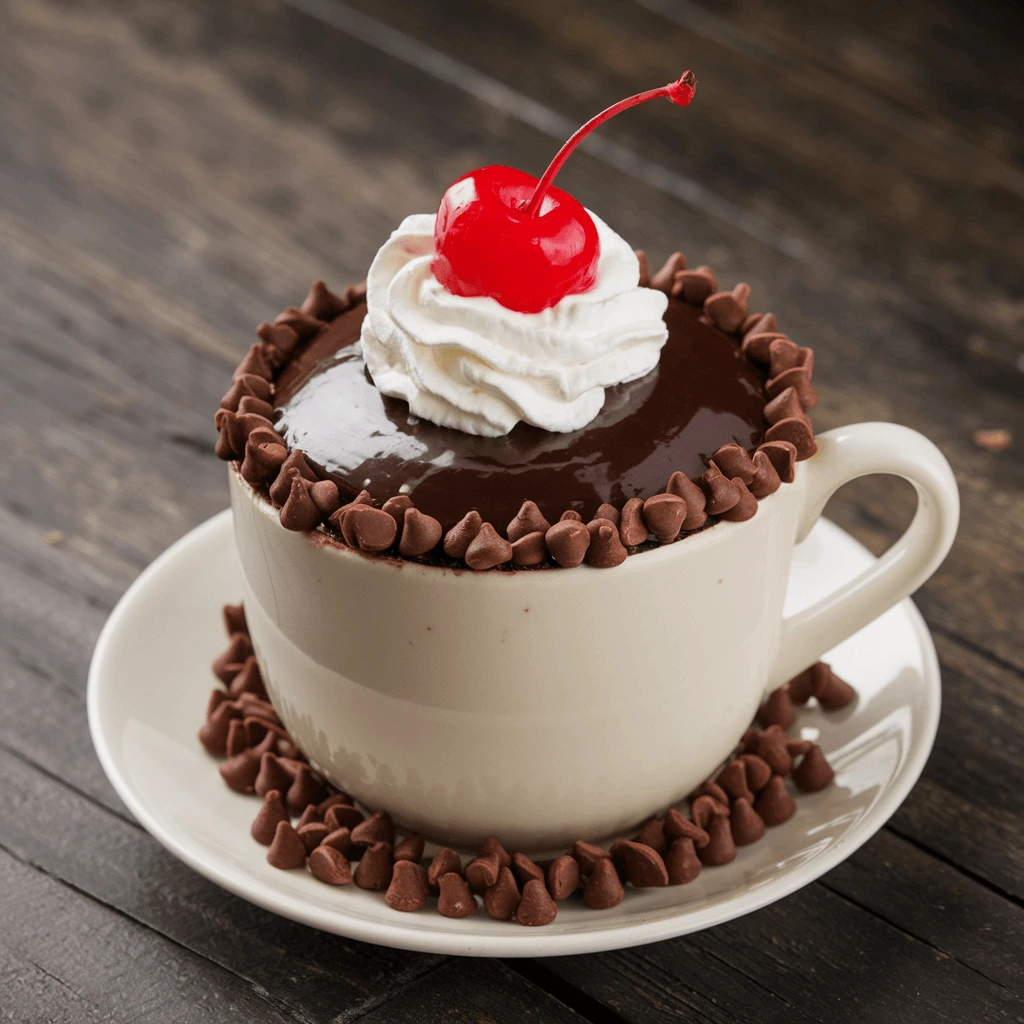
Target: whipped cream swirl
(472, 364)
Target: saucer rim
(520, 942)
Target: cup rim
(318, 538)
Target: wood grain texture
(173, 172)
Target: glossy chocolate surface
(702, 395)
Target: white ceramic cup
(543, 707)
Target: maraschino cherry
(501, 232)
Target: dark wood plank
(116, 864)
(482, 991)
(814, 956)
(936, 904)
(172, 174)
(65, 957)
(787, 138)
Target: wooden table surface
(174, 171)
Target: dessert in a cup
(515, 519)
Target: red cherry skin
(484, 245)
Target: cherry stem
(679, 92)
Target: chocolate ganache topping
(704, 393)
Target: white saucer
(150, 679)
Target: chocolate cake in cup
(515, 517)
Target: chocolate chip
(694, 521)
(322, 303)
(758, 771)
(488, 549)
(721, 849)
(340, 839)
(798, 378)
(332, 801)
(705, 810)
(240, 771)
(374, 870)
(662, 280)
(777, 709)
(606, 549)
(587, 855)
(603, 889)
(501, 900)
(783, 354)
(326, 497)
(774, 805)
(536, 908)
(269, 816)
(287, 850)
(759, 323)
(813, 772)
(254, 363)
(722, 493)
(343, 816)
(563, 876)
(330, 865)
(567, 542)
(309, 817)
(744, 823)
(766, 479)
(280, 337)
(783, 406)
(664, 515)
(492, 848)
(713, 790)
(230, 663)
(378, 828)
(728, 310)
(570, 515)
(410, 848)
(248, 385)
(528, 520)
(482, 872)
(771, 745)
(681, 862)
(652, 834)
(367, 528)
(248, 404)
(248, 679)
(733, 779)
(677, 826)
(609, 512)
(408, 889)
(305, 789)
(831, 691)
(420, 533)
(454, 899)
(271, 775)
(632, 529)
(695, 286)
(313, 834)
(304, 325)
(798, 432)
(734, 461)
(644, 867)
(798, 747)
(237, 740)
(462, 534)
(745, 508)
(397, 507)
(446, 861)
(782, 455)
(282, 485)
(525, 869)
(262, 462)
(529, 550)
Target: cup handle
(844, 454)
